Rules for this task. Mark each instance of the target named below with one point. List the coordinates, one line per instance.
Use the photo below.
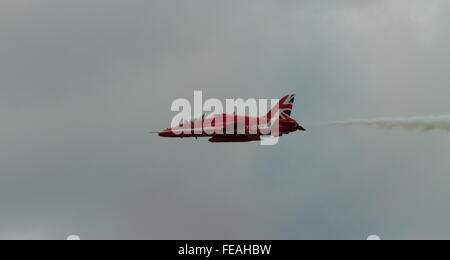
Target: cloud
(82, 83)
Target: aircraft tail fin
(284, 107)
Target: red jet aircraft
(240, 128)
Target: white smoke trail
(424, 123)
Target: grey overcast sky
(82, 82)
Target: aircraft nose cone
(165, 133)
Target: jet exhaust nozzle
(300, 128)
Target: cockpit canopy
(190, 122)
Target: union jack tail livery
(284, 106)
